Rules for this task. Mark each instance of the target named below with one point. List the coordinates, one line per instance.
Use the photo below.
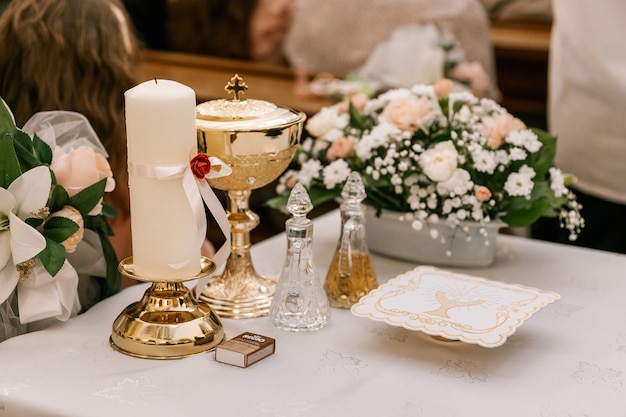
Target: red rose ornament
(200, 165)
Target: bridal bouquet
(50, 204)
(434, 156)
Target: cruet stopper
(300, 303)
(351, 274)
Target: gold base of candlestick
(240, 292)
(168, 322)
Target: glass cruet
(350, 274)
(300, 303)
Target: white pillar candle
(161, 131)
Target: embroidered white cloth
(453, 306)
(569, 359)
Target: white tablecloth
(569, 359)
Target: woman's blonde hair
(72, 55)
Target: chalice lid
(243, 114)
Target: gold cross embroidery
(236, 86)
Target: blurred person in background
(587, 100)
(380, 39)
(238, 29)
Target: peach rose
(494, 141)
(498, 127)
(79, 168)
(341, 148)
(71, 213)
(408, 113)
(442, 88)
(482, 193)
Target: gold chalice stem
(240, 292)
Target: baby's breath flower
(557, 182)
(518, 184)
(335, 173)
(310, 170)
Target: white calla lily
(26, 242)
(31, 191)
(19, 241)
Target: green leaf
(357, 120)
(113, 281)
(111, 284)
(543, 160)
(444, 105)
(6, 120)
(456, 106)
(108, 211)
(22, 140)
(529, 215)
(24, 150)
(52, 257)
(59, 228)
(440, 137)
(42, 150)
(9, 164)
(58, 198)
(86, 199)
(278, 202)
(33, 222)
(523, 212)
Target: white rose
(325, 121)
(440, 161)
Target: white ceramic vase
(470, 244)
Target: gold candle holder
(258, 140)
(168, 322)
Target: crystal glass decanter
(351, 275)
(300, 303)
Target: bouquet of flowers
(435, 156)
(50, 203)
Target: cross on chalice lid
(236, 86)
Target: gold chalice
(257, 139)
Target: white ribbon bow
(42, 296)
(197, 191)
